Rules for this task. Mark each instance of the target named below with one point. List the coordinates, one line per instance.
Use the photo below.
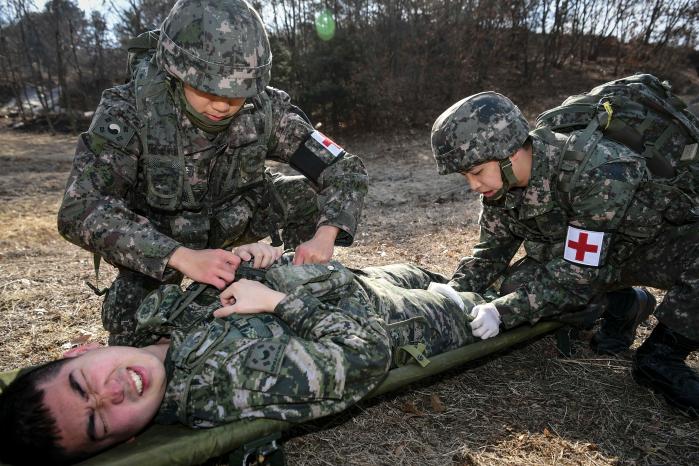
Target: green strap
(417, 352)
(96, 259)
(267, 107)
(508, 172)
(574, 158)
(544, 133)
(186, 299)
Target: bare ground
(525, 406)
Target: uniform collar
(537, 198)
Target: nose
(472, 181)
(112, 393)
(221, 106)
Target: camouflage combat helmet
(480, 128)
(216, 46)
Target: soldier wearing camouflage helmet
(480, 128)
(301, 343)
(172, 170)
(591, 216)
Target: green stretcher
(172, 445)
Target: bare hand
(248, 297)
(318, 249)
(263, 254)
(212, 266)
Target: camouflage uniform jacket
(329, 343)
(614, 194)
(110, 205)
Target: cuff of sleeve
(456, 285)
(347, 225)
(514, 308)
(155, 256)
(295, 309)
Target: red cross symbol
(581, 246)
(327, 142)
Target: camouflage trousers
(527, 270)
(290, 205)
(669, 263)
(420, 323)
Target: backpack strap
(140, 47)
(575, 157)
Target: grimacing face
(105, 396)
(214, 107)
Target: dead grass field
(526, 406)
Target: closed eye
(76, 386)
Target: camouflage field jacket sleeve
(334, 359)
(491, 256)
(342, 186)
(95, 213)
(603, 200)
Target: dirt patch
(525, 406)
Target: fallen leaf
(437, 403)
(410, 408)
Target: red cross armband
(316, 154)
(586, 247)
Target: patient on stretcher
(283, 342)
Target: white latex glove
(486, 321)
(446, 291)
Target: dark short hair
(28, 431)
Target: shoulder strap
(573, 158)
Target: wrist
(177, 258)
(275, 297)
(327, 233)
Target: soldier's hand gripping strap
(316, 154)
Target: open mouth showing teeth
(137, 381)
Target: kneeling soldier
(594, 221)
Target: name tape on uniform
(583, 246)
(328, 143)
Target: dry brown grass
(526, 406)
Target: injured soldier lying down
(282, 342)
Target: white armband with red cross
(584, 247)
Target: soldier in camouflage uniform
(292, 343)
(172, 168)
(620, 226)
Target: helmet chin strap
(508, 178)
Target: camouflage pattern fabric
(123, 297)
(219, 47)
(480, 128)
(329, 343)
(299, 204)
(112, 204)
(646, 226)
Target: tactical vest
(168, 308)
(240, 163)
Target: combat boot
(659, 364)
(626, 309)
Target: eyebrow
(75, 386)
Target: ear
(82, 349)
